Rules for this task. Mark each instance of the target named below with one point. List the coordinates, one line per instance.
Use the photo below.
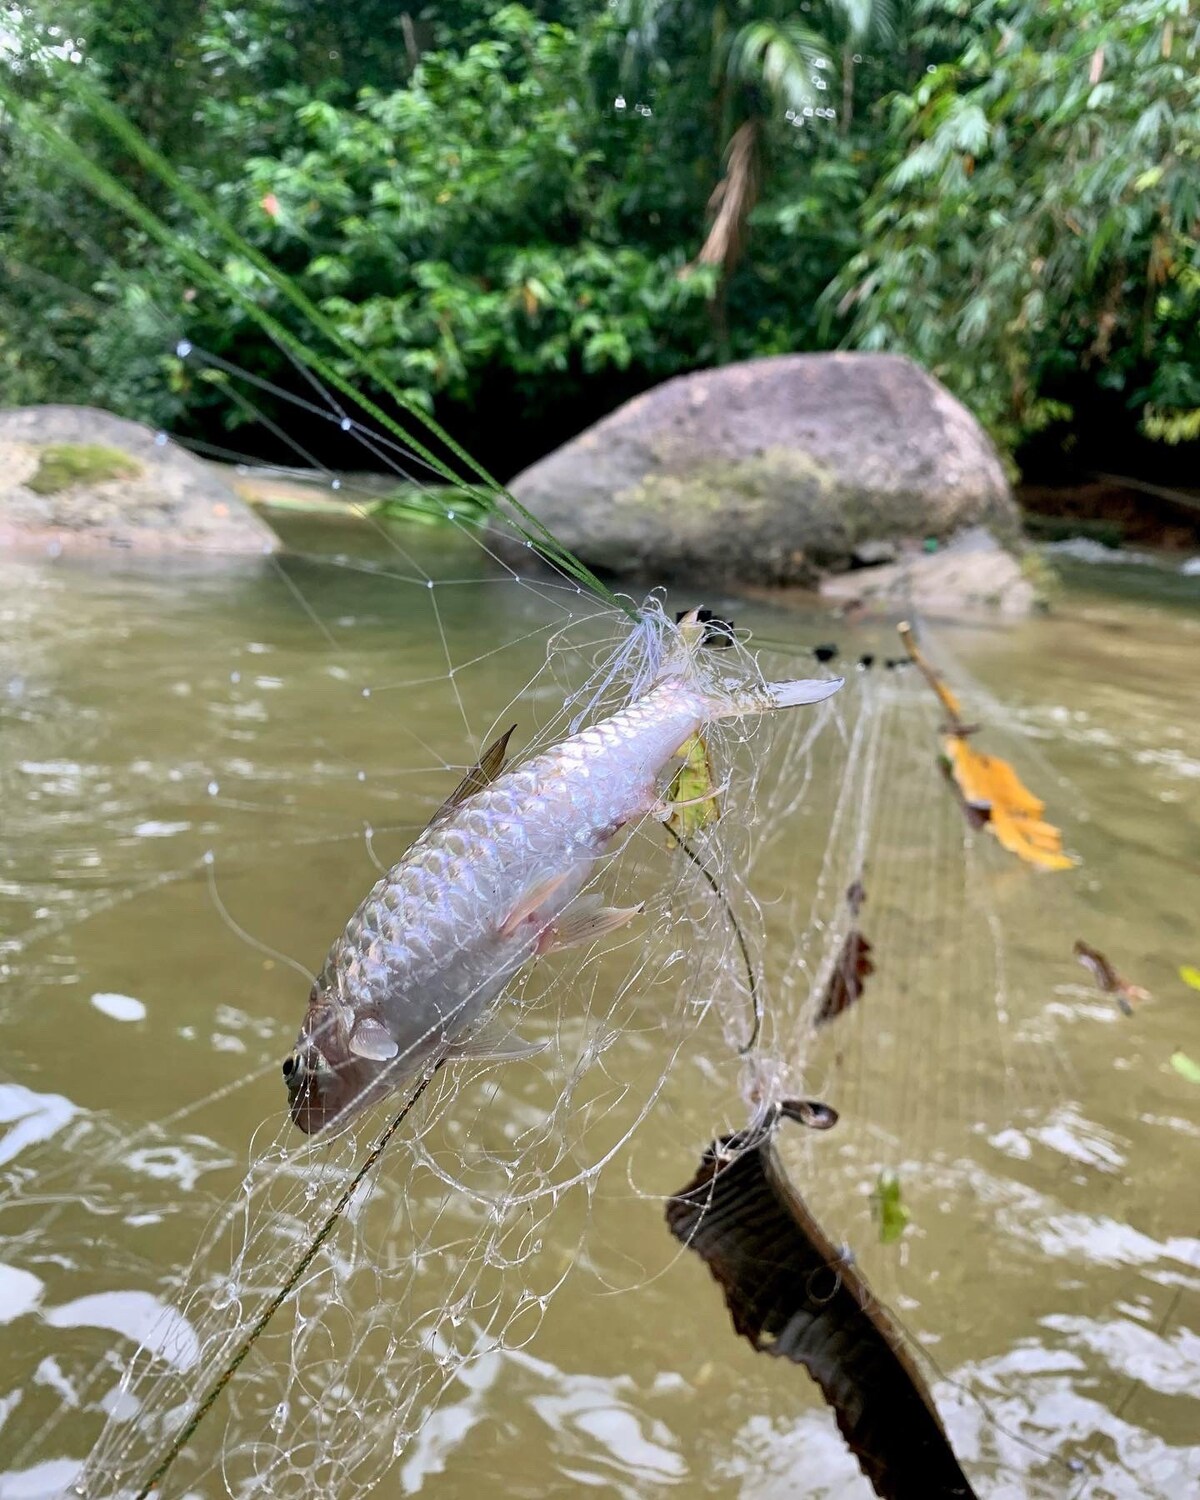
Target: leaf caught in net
(887, 1205)
(1108, 980)
(692, 793)
(992, 793)
(851, 970)
(1186, 1067)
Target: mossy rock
(61, 465)
(769, 471)
(74, 479)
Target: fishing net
(349, 1313)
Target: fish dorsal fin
(482, 774)
(371, 1039)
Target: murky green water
(1047, 1148)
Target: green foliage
(1038, 215)
(557, 197)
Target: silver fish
(494, 881)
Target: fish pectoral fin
(536, 896)
(586, 922)
(481, 775)
(494, 1041)
(371, 1039)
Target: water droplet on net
(280, 1416)
(213, 788)
(619, 102)
(857, 57)
(183, 348)
(335, 484)
(160, 440)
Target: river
(1046, 1145)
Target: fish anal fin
(370, 1038)
(585, 923)
(531, 902)
(485, 770)
(494, 1041)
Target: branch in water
(792, 1294)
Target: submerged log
(792, 1294)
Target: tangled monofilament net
(503, 1180)
(437, 1261)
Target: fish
(495, 880)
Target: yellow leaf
(692, 790)
(1190, 976)
(1012, 813)
(993, 793)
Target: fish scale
(426, 955)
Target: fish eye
(291, 1064)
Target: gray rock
(75, 479)
(769, 470)
(972, 575)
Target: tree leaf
(887, 1205)
(1190, 975)
(693, 791)
(993, 795)
(1185, 1067)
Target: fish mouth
(319, 1095)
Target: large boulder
(770, 470)
(74, 479)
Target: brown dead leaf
(1107, 979)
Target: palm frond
(790, 60)
(868, 20)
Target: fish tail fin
(685, 661)
(765, 697)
